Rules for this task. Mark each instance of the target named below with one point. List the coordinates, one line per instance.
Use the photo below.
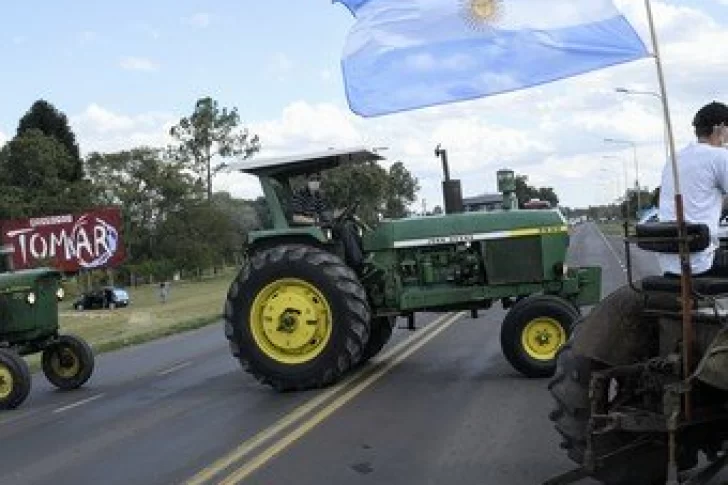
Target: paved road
(440, 405)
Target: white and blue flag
(407, 54)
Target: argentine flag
(407, 54)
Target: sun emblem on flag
(481, 13)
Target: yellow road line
(208, 473)
(270, 452)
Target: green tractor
(299, 314)
(29, 324)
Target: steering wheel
(347, 213)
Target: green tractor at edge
(298, 316)
(29, 324)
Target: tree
(379, 192)
(401, 191)
(198, 236)
(32, 169)
(211, 131)
(525, 192)
(365, 183)
(148, 187)
(45, 117)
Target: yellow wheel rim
(291, 321)
(65, 363)
(542, 338)
(6, 382)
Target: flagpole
(685, 277)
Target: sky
(125, 72)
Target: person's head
(313, 182)
(711, 124)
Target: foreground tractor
(29, 324)
(641, 388)
(303, 310)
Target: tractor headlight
(60, 293)
(30, 298)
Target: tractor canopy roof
(294, 165)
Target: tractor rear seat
(671, 284)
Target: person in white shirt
(703, 171)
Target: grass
(190, 305)
(613, 228)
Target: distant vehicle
(107, 297)
(650, 215)
(537, 204)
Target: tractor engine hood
(464, 227)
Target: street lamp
(636, 166)
(659, 97)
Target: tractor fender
(262, 244)
(616, 332)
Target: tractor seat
(670, 283)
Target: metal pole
(685, 276)
(637, 181)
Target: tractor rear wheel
(534, 330)
(14, 379)
(68, 363)
(297, 317)
(570, 390)
(381, 332)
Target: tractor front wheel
(68, 363)
(646, 465)
(297, 317)
(534, 330)
(14, 379)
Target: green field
(614, 228)
(190, 305)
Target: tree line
(173, 219)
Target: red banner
(71, 242)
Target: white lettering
(43, 252)
(51, 221)
(82, 242)
(100, 245)
(64, 242)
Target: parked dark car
(107, 297)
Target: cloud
(100, 129)
(554, 133)
(138, 64)
(200, 20)
(3, 138)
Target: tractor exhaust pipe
(451, 191)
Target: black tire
(560, 315)
(341, 291)
(570, 390)
(381, 332)
(68, 363)
(14, 379)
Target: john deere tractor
(300, 313)
(29, 324)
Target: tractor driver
(703, 171)
(310, 206)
